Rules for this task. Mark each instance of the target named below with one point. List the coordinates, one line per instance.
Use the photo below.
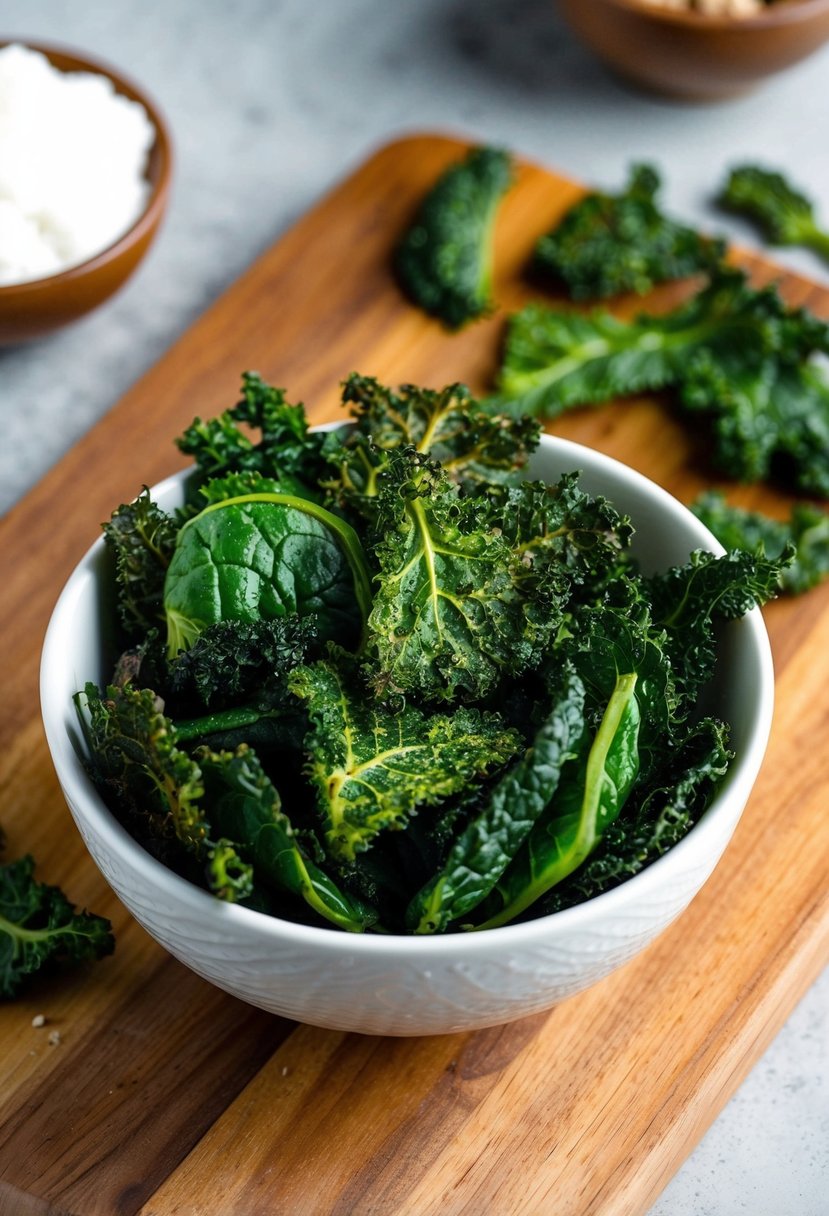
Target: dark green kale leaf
(40, 929)
(287, 451)
(656, 817)
(594, 785)
(806, 531)
(688, 600)
(260, 557)
(154, 785)
(611, 243)
(232, 661)
(444, 260)
(782, 213)
(475, 447)
(372, 769)
(246, 808)
(554, 360)
(767, 417)
(455, 607)
(561, 527)
(605, 641)
(487, 845)
(143, 538)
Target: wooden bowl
(31, 309)
(696, 57)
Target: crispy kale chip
(372, 768)
(475, 447)
(142, 538)
(767, 417)
(782, 213)
(245, 807)
(481, 852)
(556, 359)
(806, 532)
(737, 354)
(455, 607)
(40, 929)
(444, 260)
(612, 243)
(688, 599)
(233, 661)
(287, 451)
(154, 784)
(473, 589)
(655, 818)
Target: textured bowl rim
(162, 146)
(793, 12)
(464, 946)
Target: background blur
(270, 103)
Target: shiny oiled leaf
(590, 796)
(487, 845)
(245, 807)
(262, 556)
(372, 768)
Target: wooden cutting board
(164, 1095)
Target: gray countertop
(272, 101)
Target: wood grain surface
(164, 1095)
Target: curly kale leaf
(611, 243)
(766, 417)
(143, 538)
(562, 527)
(246, 808)
(688, 599)
(475, 447)
(40, 929)
(144, 776)
(487, 845)
(554, 360)
(444, 260)
(455, 606)
(372, 769)
(782, 213)
(263, 556)
(806, 532)
(655, 818)
(235, 660)
(287, 451)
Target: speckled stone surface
(271, 101)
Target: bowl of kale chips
(413, 725)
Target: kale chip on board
(607, 244)
(444, 260)
(40, 929)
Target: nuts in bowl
(704, 50)
(409, 733)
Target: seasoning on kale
(444, 260)
(607, 244)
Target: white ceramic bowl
(416, 985)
